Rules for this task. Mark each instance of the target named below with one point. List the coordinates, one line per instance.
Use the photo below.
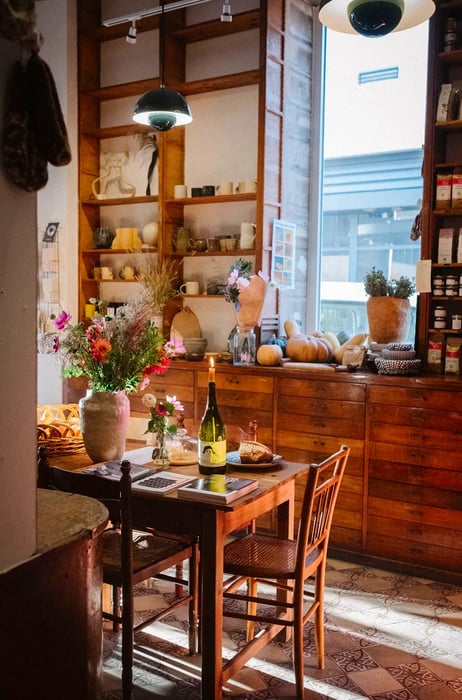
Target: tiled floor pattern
(388, 637)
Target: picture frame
(283, 257)
(50, 232)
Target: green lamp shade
(162, 109)
(374, 18)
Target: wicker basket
(58, 429)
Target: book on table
(161, 482)
(217, 488)
(111, 470)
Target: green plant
(377, 285)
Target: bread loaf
(251, 452)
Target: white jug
(247, 239)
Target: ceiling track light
(162, 108)
(150, 12)
(226, 15)
(131, 36)
(374, 18)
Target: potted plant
(388, 307)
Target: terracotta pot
(388, 319)
(104, 422)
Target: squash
(269, 355)
(281, 342)
(306, 348)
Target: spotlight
(131, 36)
(226, 15)
(374, 18)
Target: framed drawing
(283, 260)
(50, 232)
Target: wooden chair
(130, 557)
(286, 565)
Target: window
(374, 119)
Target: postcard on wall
(283, 260)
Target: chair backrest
(322, 487)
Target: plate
(183, 462)
(233, 460)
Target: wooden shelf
(90, 252)
(215, 199)
(115, 201)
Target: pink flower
(62, 320)
(177, 405)
(242, 283)
(161, 410)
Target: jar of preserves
(438, 286)
(439, 316)
(451, 286)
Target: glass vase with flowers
(161, 410)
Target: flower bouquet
(161, 410)
(246, 292)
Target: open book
(217, 488)
(161, 482)
(111, 470)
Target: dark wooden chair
(286, 565)
(132, 557)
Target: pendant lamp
(162, 108)
(374, 18)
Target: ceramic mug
(212, 244)
(196, 191)
(225, 187)
(208, 190)
(127, 272)
(180, 191)
(96, 273)
(190, 288)
(247, 187)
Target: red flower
(157, 369)
(161, 410)
(100, 349)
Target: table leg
(212, 543)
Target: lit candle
(211, 370)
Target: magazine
(161, 482)
(217, 488)
(111, 470)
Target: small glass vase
(160, 456)
(244, 346)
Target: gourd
(269, 355)
(281, 342)
(306, 348)
(358, 339)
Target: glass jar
(244, 346)
(438, 286)
(456, 322)
(439, 317)
(452, 286)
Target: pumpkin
(281, 342)
(306, 348)
(269, 355)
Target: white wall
(18, 284)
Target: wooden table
(211, 523)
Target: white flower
(148, 400)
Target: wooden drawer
(409, 435)
(352, 424)
(418, 397)
(422, 456)
(176, 382)
(314, 448)
(387, 505)
(248, 383)
(413, 417)
(421, 476)
(322, 389)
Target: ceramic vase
(388, 319)
(104, 423)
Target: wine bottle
(212, 438)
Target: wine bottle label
(212, 454)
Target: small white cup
(247, 187)
(190, 288)
(180, 191)
(225, 187)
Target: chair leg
(252, 589)
(116, 607)
(319, 614)
(297, 644)
(179, 592)
(193, 607)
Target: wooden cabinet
(105, 107)
(313, 419)
(443, 158)
(400, 505)
(414, 507)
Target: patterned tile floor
(388, 637)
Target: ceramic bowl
(195, 346)
(398, 354)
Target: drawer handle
(319, 442)
(416, 512)
(319, 424)
(233, 381)
(415, 550)
(415, 531)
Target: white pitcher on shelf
(247, 239)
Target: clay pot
(388, 318)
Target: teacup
(225, 187)
(190, 288)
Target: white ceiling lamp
(162, 108)
(374, 18)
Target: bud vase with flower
(161, 410)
